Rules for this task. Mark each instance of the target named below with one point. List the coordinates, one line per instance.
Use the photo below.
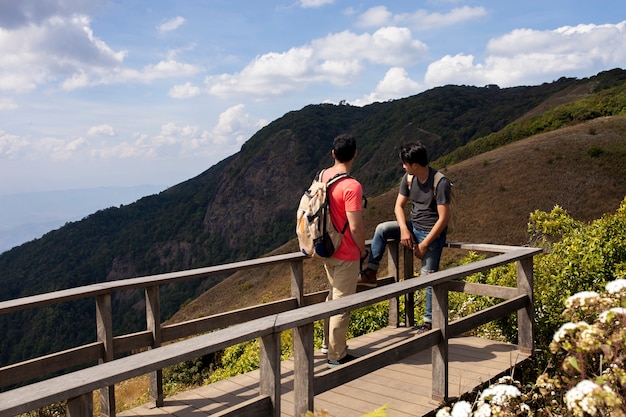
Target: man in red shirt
(342, 269)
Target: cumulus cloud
(420, 20)
(15, 14)
(58, 149)
(101, 130)
(58, 48)
(530, 56)
(186, 90)
(337, 59)
(171, 24)
(11, 145)
(314, 3)
(169, 68)
(375, 17)
(172, 141)
(49, 44)
(232, 127)
(395, 84)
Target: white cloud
(375, 17)
(233, 127)
(420, 20)
(337, 58)
(64, 50)
(182, 91)
(171, 24)
(16, 14)
(101, 130)
(11, 146)
(395, 84)
(58, 48)
(173, 141)
(531, 56)
(58, 149)
(314, 3)
(7, 104)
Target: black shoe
(424, 328)
(345, 359)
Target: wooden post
(153, 324)
(80, 406)
(104, 329)
(440, 351)
(297, 281)
(303, 354)
(269, 367)
(526, 316)
(409, 304)
(393, 269)
(303, 357)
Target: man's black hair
(344, 147)
(414, 153)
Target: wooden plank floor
(404, 387)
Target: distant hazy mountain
(28, 216)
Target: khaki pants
(342, 276)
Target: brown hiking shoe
(367, 278)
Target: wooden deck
(403, 387)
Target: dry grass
(128, 394)
(495, 194)
(581, 168)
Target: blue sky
(100, 93)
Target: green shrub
(588, 378)
(577, 257)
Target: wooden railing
(266, 321)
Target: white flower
(619, 311)
(616, 286)
(582, 298)
(609, 316)
(569, 328)
(483, 410)
(499, 394)
(580, 400)
(461, 409)
(442, 413)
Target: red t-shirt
(345, 195)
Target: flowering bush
(591, 379)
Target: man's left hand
(419, 250)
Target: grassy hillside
(581, 168)
(243, 206)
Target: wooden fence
(161, 346)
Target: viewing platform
(409, 373)
(404, 387)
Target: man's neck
(422, 173)
(342, 166)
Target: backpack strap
(334, 179)
(438, 177)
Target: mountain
(243, 207)
(582, 168)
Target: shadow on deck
(404, 387)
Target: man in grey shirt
(425, 231)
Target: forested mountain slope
(244, 206)
(581, 168)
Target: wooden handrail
(92, 290)
(77, 386)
